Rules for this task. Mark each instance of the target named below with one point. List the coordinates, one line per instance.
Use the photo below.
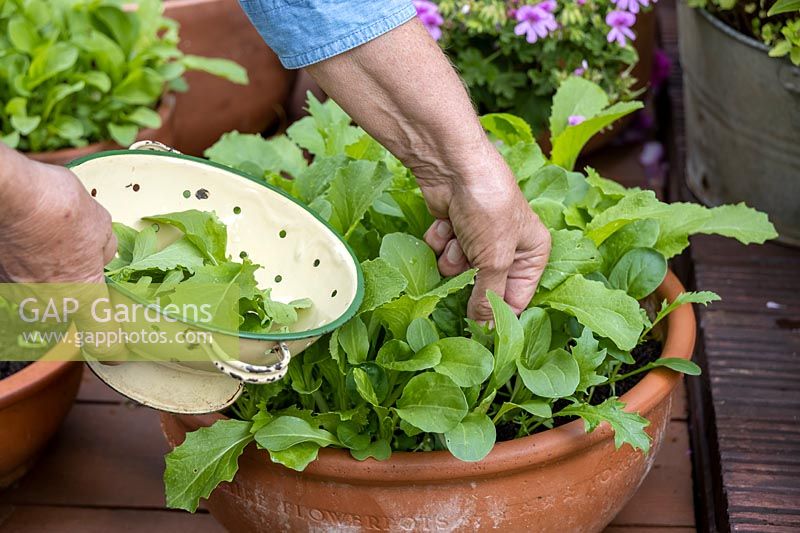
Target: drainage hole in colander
(136, 187)
(242, 255)
(156, 227)
(237, 210)
(94, 193)
(278, 278)
(282, 234)
(201, 194)
(187, 193)
(316, 262)
(334, 293)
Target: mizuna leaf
(628, 427)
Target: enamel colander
(302, 257)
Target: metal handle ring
(247, 372)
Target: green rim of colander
(277, 337)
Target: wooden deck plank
(752, 356)
(104, 456)
(45, 519)
(680, 408)
(95, 391)
(666, 496)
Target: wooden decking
(102, 473)
(751, 392)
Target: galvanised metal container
(742, 121)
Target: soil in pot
(7, 368)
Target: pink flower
(548, 5)
(428, 13)
(580, 2)
(631, 5)
(580, 71)
(537, 21)
(574, 120)
(620, 22)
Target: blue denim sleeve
(303, 32)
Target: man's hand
(401, 89)
(487, 224)
(52, 229)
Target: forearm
(402, 89)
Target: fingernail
(454, 254)
(443, 228)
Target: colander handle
(247, 372)
(154, 146)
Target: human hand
(483, 221)
(53, 230)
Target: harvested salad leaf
(195, 269)
(410, 372)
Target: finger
(488, 279)
(438, 235)
(521, 285)
(526, 271)
(453, 261)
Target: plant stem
(620, 377)
(322, 405)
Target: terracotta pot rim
(549, 446)
(31, 379)
(166, 109)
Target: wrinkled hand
(486, 223)
(53, 230)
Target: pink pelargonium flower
(537, 21)
(548, 5)
(631, 5)
(574, 120)
(620, 22)
(428, 14)
(580, 71)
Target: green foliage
(73, 72)
(195, 269)
(410, 373)
(775, 23)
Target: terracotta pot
(163, 134)
(33, 403)
(563, 479)
(645, 45)
(213, 106)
